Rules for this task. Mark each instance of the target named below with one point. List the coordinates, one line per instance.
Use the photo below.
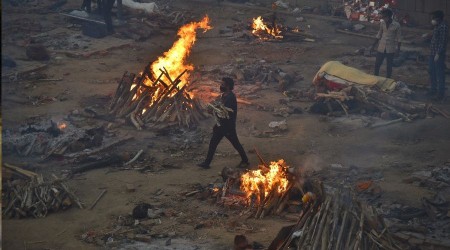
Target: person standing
(437, 55)
(107, 9)
(226, 127)
(389, 42)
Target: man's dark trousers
(437, 75)
(107, 8)
(389, 62)
(230, 134)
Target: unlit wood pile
(400, 107)
(32, 196)
(336, 222)
(161, 101)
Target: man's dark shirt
(439, 39)
(229, 101)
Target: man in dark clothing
(107, 8)
(226, 127)
(437, 55)
(104, 8)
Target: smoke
(312, 163)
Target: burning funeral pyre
(160, 93)
(276, 32)
(326, 219)
(266, 31)
(265, 191)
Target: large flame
(261, 30)
(256, 181)
(174, 60)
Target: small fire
(256, 182)
(174, 60)
(62, 125)
(261, 30)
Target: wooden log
(122, 89)
(98, 199)
(341, 231)
(349, 233)
(378, 103)
(98, 150)
(97, 164)
(399, 103)
(269, 206)
(382, 124)
(306, 213)
(134, 158)
(21, 171)
(305, 231)
(336, 214)
(318, 237)
(70, 193)
(326, 234)
(134, 121)
(312, 229)
(360, 233)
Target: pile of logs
(401, 108)
(146, 99)
(32, 196)
(336, 221)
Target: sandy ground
(311, 140)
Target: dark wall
(419, 10)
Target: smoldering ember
(203, 124)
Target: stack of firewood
(400, 107)
(146, 99)
(336, 221)
(32, 196)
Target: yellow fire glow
(174, 60)
(259, 26)
(254, 181)
(62, 125)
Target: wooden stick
(341, 232)
(360, 232)
(71, 194)
(261, 160)
(382, 124)
(98, 150)
(318, 237)
(301, 221)
(21, 170)
(134, 158)
(50, 79)
(98, 198)
(350, 233)
(326, 234)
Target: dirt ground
(311, 141)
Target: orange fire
(174, 60)
(261, 30)
(62, 125)
(254, 182)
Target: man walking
(388, 39)
(437, 55)
(226, 127)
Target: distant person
(226, 127)
(86, 6)
(104, 8)
(437, 55)
(107, 9)
(389, 42)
